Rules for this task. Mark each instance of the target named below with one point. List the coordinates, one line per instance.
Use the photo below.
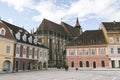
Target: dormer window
(35, 41)
(17, 35)
(2, 31)
(24, 37)
(30, 39)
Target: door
(16, 65)
(94, 64)
(113, 64)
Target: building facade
(89, 50)
(25, 49)
(6, 49)
(112, 34)
(96, 48)
(55, 37)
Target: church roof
(77, 25)
(63, 28)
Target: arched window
(2, 31)
(81, 64)
(87, 64)
(72, 64)
(103, 63)
(7, 66)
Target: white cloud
(47, 9)
(19, 5)
(83, 9)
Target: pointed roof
(77, 25)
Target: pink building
(89, 50)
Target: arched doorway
(72, 64)
(87, 63)
(94, 64)
(40, 66)
(81, 64)
(6, 66)
(103, 63)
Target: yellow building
(112, 34)
(6, 49)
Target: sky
(29, 13)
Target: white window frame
(93, 51)
(24, 52)
(117, 39)
(79, 52)
(118, 50)
(7, 49)
(111, 40)
(112, 50)
(17, 51)
(102, 50)
(86, 51)
(2, 31)
(72, 52)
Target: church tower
(77, 25)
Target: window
(93, 51)
(17, 50)
(118, 50)
(17, 35)
(30, 39)
(102, 51)
(86, 51)
(112, 50)
(35, 53)
(24, 37)
(8, 49)
(40, 53)
(30, 52)
(2, 31)
(45, 54)
(71, 52)
(111, 39)
(79, 52)
(117, 39)
(24, 51)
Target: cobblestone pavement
(63, 75)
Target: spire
(77, 25)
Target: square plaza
(64, 75)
